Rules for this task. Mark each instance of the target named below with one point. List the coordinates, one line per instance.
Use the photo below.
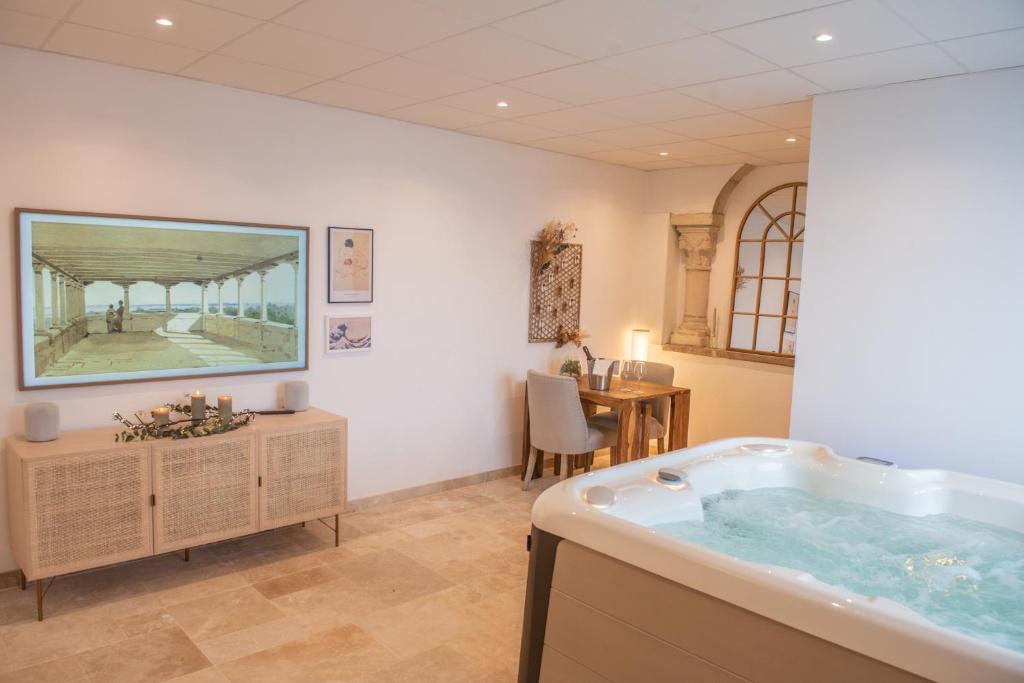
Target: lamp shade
(641, 340)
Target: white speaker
(296, 395)
(42, 421)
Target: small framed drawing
(349, 265)
(347, 333)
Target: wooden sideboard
(85, 501)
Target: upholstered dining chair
(558, 425)
(659, 373)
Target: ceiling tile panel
(583, 84)
(390, 26)
(511, 131)
(906, 64)
(571, 144)
(24, 30)
(659, 165)
(991, 51)
(261, 9)
(491, 55)
(716, 125)
(635, 136)
(858, 27)
(657, 106)
(438, 115)
(288, 48)
(727, 160)
(485, 101)
(786, 156)
(715, 15)
(576, 120)
(758, 90)
(405, 77)
(693, 60)
(792, 115)
(944, 19)
(248, 75)
(622, 156)
(688, 149)
(484, 11)
(350, 96)
(756, 142)
(117, 48)
(53, 9)
(591, 29)
(195, 26)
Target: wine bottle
(586, 351)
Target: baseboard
(428, 489)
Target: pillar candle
(224, 408)
(198, 407)
(161, 415)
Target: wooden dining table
(633, 401)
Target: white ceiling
(623, 81)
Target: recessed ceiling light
(823, 37)
(164, 21)
(502, 105)
(790, 139)
(662, 154)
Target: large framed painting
(349, 265)
(107, 298)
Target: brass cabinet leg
(39, 599)
(21, 579)
(337, 530)
(303, 525)
(188, 554)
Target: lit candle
(198, 407)
(224, 408)
(161, 416)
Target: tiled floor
(429, 589)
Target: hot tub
(774, 560)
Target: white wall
(730, 397)
(911, 314)
(440, 395)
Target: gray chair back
(660, 373)
(557, 423)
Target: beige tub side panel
(703, 627)
(619, 651)
(557, 668)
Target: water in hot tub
(961, 574)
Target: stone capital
(698, 244)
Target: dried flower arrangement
(571, 368)
(182, 426)
(567, 336)
(553, 238)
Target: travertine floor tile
(391, 577)
(223, 613)
(156, 656)
(66, 670)
(291, 583)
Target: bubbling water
(963, 575)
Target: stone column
(125, 289)
(239, 313)
(202, 301)
(220, 297)
(698, 239)
(63, 292)
(54, 300)
(295, 294)
(167, 298)
(263, 296)
(40, 312)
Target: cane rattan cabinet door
(205, 490)
(303, 472)
(86, 510)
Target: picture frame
(108, 298)
(349, 265)
(792, 310)
(347, 333)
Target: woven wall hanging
(555, 291)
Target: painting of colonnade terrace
(115, 298)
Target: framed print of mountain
(349, 265)
(108, 298)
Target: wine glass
(638, 370)
(625, 370)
